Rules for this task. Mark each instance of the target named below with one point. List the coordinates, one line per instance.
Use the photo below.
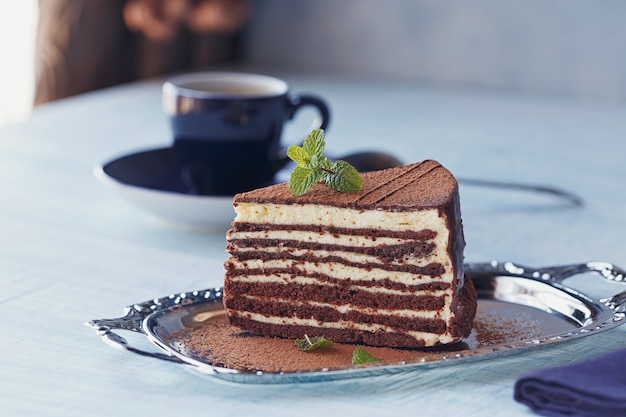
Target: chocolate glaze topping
(424, 184)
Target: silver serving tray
(561, 313)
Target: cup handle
(297, 102)
(294, 103)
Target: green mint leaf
(313, 167)
(343, 177)
(314, 143)
(298, 155)
(325, 164)
(302, 179)
(311, 343)
(316, 162)
(360, 357)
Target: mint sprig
(313, 167)
(361, 357)
(311, 343)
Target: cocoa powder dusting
(220, 344)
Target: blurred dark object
(89, 45)
(372, 161)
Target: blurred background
(18, 20)
(575, 48)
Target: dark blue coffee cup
(227, 128)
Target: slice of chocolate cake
(382, 266)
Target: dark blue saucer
(156, 169)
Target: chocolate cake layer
(332, 294)
(421, 235)
(346, 335)
(382, 266)
(386, 253)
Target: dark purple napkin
(592, 388)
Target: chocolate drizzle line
(402, 185)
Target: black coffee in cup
(227, 128)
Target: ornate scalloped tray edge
(506, 291)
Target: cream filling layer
(345, 272)
(290, 214)
(429, 339)
(287, 278)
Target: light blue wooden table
(71, 250)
